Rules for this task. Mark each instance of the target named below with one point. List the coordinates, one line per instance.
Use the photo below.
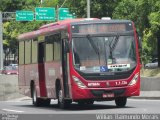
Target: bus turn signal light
(78, 82)
(134, 80)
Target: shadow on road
(75, 107)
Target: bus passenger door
(41, 69)
(65, 68)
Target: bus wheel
(81, 102)
(89, 102)
(121, 101)
(35, 100)
(62, 103)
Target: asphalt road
(25, 109)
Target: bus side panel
(53, 71)
(133, 90)
(31, 73)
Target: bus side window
(34, 51)
(76, 58)
(21, 53)
(28, 52)
(57, 47)
(49, 54)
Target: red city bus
(81, 61)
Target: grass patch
(150, 72)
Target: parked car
(152, 64)
(16, 65)
(9, 70)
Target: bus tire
(121, 101)
(62, 103)
(90, 102)
(35, 100)
(81, 103)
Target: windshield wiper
(115, 41)
(112, 45)
(93, 46)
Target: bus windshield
(93, 54)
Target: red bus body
(46, 76)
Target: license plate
(108, 95)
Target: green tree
(143, 13)
(13, 28)
(151, 35)
(99, 8)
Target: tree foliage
(13, 28)
(99, 8)
(145, 14)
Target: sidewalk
(22, 98)
(148, 95)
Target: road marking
(9, 110)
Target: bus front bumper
(104, 93)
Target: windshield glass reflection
(104, 54)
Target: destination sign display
(101, 28)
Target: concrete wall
(9, 86)
(150, 84)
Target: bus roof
(64, 22)
(44, 29)
(62, 25)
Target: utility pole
(4, 16)
(88, 8)
(1, 42)
(41, 2)
(158, 51)
(57, 13)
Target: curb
(149, 98)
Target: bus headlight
(78, 82)
(134, 80)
